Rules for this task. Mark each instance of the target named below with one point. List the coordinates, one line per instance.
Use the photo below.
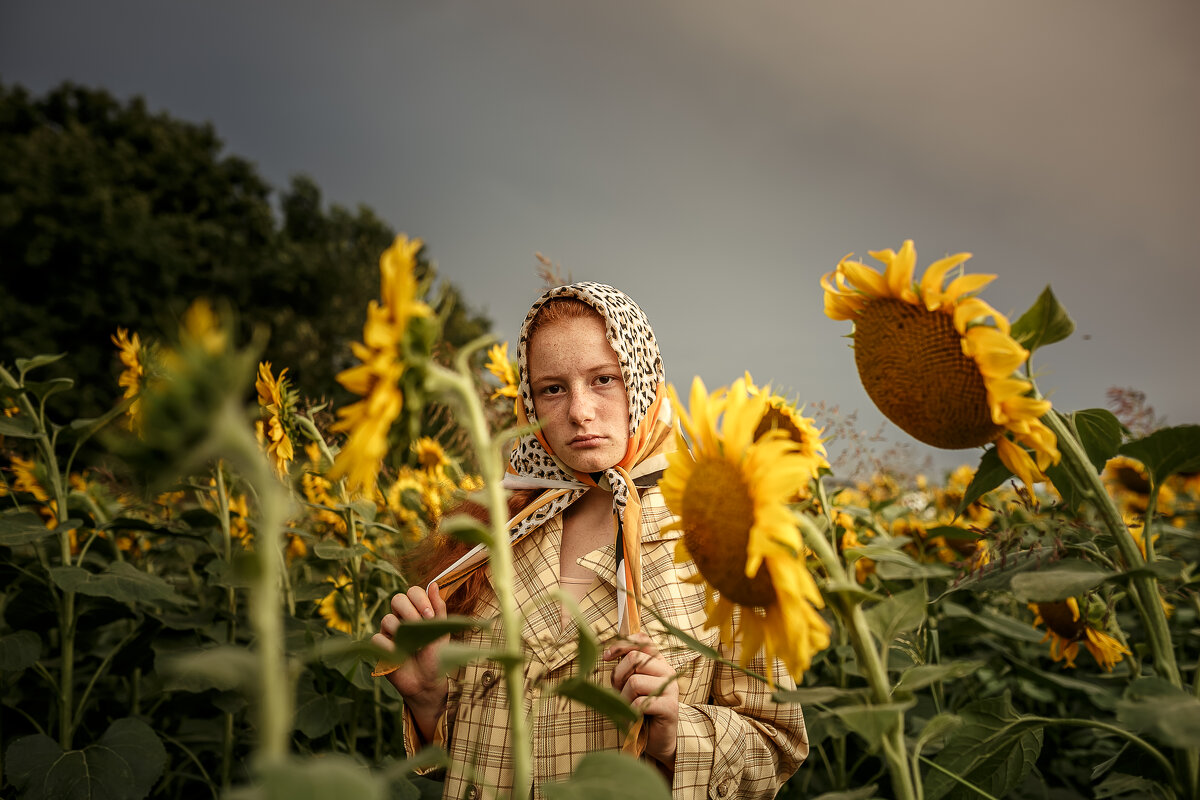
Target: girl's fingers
(650, 689)
(421, 602)
(404, 609)
(389, 625)
(435, 598)
(382, 641)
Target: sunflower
(784, 416)
(335, 608)
(939, 362)
(376, 378)
(129, 350)
(729, 494)
(1066, 628)
(505, 371)
(278, 402)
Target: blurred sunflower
(277, 400)
(1066, 628)
(377, 377)
(335, 608)
(729, 494)
(129, 350)
(403, 500)
(1129, 484)
(933, 363)
(505, 371)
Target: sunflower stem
(462, 386)
(1087, 480)
(854, 621)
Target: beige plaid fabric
(734, 742)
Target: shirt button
(472, 792)
(487, 679)
(722, 788)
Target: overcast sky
(714, 159)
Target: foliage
(132, 214)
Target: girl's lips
(586, 441)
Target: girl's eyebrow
(601, 367)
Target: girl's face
(578, 393)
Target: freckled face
(578, 393)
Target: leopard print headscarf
(531, 465)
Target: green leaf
(1100, 433)
(994, 749)
(24, 365)
(123, 765)
(1170, 715)
(898, 614)
(19, 651)
(412, 636)
(1119, 785)
(990, 474)
(1046, 322)
(1066, 578)
(332, 551)
(466, 528)
(331, 775)
(22, 527)
(936, 728)
(868, 792)
(820, 695)
(45, 389)
(316, 712)
(996, 623)
(223, 667)
(17, 428)
(1167, 451)
(122, 582)
(923, 675)
(610, 776)
(872, 722)
(600, 699)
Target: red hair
(437, 551)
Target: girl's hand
(647, 682)
(417, 680)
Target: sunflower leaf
(1099, 432)
(923, 675)
(990, 473)
(600, 699)
(24, 365)
(1169, 714)
(1167, 451)
(900, 613)
(1067, 578)
(820, 695)
(1046, 322)
(872, 722)
(17, 428)
(609, 776)
(993, 750)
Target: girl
(589, 520)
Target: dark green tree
(111, 215)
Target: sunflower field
(189, 583)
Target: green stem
(870, 663)
(1137, 741)
(275, 707)
(1079, 468)
(500, 559)
(230, 624)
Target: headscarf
(532, 465)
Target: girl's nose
(583, 407)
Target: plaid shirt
(734, 742)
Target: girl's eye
(551, 389)
(606, 380)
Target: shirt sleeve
(414, 743)
(740, 744)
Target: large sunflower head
(938, 361)
(729, 492)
